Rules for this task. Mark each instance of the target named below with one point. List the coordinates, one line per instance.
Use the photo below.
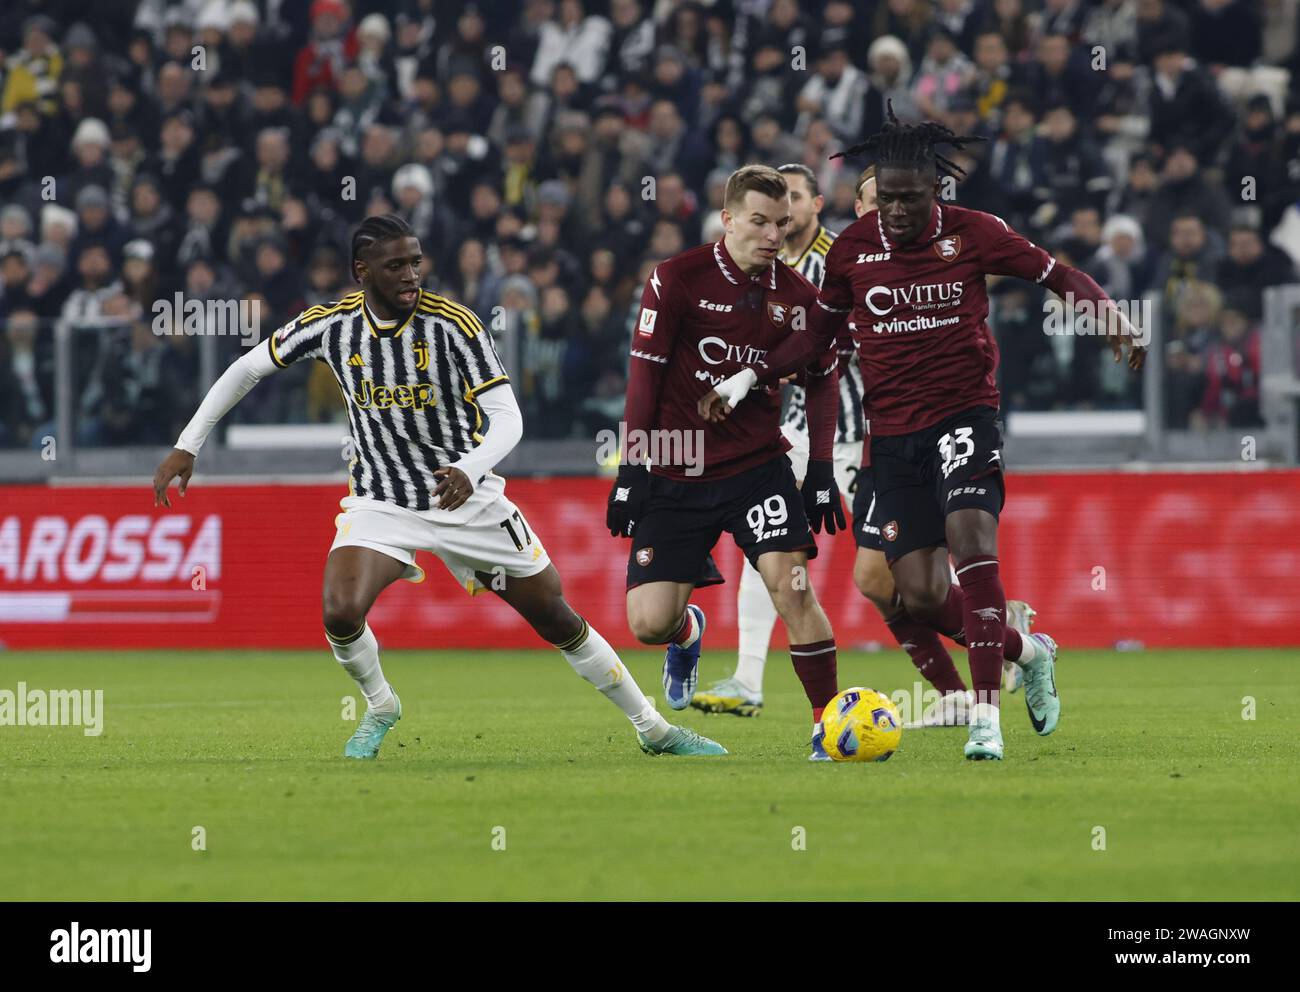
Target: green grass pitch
(1195, 801)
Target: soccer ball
(861, 725)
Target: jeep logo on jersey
(777, 312)
(948, 248)
(715, 350)
(414, 396)
(881, 300)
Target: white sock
(1028, 651)
(986, 711)
(756, 618)
(360, 659)
(593, 659)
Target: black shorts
(866, 522)
(923, 476)
(761, 508)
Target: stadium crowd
(549, 153)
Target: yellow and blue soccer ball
(861, 725)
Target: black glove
(821, 498)
(625, 499)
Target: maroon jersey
(702, 319)
(919, 311)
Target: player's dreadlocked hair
(911, 146)
(375, 229)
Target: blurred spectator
(995, 76)
(16, 259)
(1256, 157)
(95, 284)
(96, 224)
(889, 68)
(135, 395)
(34, 71)
(1122, 265)
(517, 108)
(1073, 169)
(631, 42)
(331, 48)
(1195, 329)
(1253, 266)
(906, 20)
(1064, 17)
(1080, 238)
(139, 276)
(944, 73)
(1226, 32)
(1232, 370)
(90, 145)
(1190, 259)
(837, 93)
(1057, 78)
(1018, 163)
(26, 381)
(1159, 25)
(1183, 188)
(1185, 107)
(153, 218)
(580, 40)
(1009, 19)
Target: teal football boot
(370, 733)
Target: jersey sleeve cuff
(270, 343)
(498, 381)
(830, 309)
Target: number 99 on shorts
(765, 518)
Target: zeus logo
(881, 300)
(421, 355)
(715, 350)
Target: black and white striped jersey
(850, 428)
(409, 388)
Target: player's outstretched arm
(1065, 279)
(243, 374)
(792, 355)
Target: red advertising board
(1169, 559)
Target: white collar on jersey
(936, 220)
(383, 325)
(721, 255)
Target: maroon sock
(950, 621)
(815, 665)
(1013, 646)
(986, 615)
(927, 652)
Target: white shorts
(847, 458)
(487, 534)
